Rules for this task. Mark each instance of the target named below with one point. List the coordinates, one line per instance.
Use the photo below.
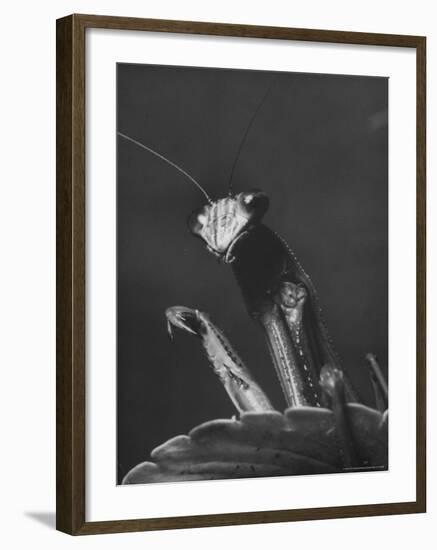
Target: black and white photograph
(217, 266)
(252, 273)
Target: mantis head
(224, 222)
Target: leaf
(300, 441)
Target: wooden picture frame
(71, 284)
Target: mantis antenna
(246, 132)
(168, 161)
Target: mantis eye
(196, 221)
(256, 202)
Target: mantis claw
(332, 383)
(169, 330)
(378, 383)
(237, 380)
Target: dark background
(318, 147)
